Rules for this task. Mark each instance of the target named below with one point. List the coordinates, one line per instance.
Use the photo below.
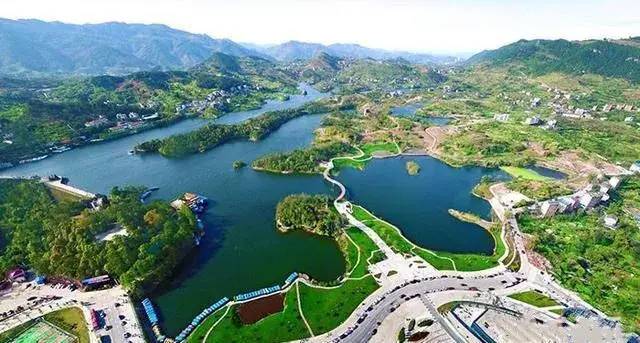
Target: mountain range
(33, 47)
(294, 50)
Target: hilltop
(612, 58)
(37, 47)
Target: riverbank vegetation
(58, 238)
(311, 213)
(304, 161)
(600, 264)
(438, 259)
(212, 135)
(39, 114)
(539, 190)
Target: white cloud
(417, 25)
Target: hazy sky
(414, 25)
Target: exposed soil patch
(253, 311)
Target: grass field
(366, 248)
(6, 336)
(71, 320)
(325, 309)
(534, 298)
(441, 260)
(280, 327)
(524, 173)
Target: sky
(435, 26)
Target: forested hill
(619, 58)
(37, 47)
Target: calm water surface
(409, 111)
(241, 250)
(419, 204)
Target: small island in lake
(312, 213)
(413, 168)
(239, 164)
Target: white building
(503, 117)
(635, 167)
(549, 208)
(590, 199)
(610, 221)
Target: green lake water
(242, 251)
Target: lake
(409, 111)
(242, 250)
(419, 204)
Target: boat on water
(58, 150)
(147, 193)
(39, 158)
(132, 152)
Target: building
(533, 121)
(635, 167)
(535, 102)
(549, 208)
(589, 200)
(17, 275)
(614, 182)
(502, 117)
(607, 108)
(100, 121)
(568, 204)
(628, 120)
(610, 221)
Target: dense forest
(601, 264)
(607, 58)
(212, 135)
(312, 213)
(60, 238)
(302, 160)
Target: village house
(589, 200)
(635, 167)
(549, 208)
(610, 221)
(100, 121)
(502, 117)
(533, 121)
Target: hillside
(603, 57)
(294, 50)
(37, 47)
(38, 117)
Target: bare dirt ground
(253, 311)
(572, 162)
(433, 137)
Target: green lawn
(371, 148)
(10, 334)
(325, 309)
(280, 327)
(378, 256)
(463, 262)
(534, 298)
(366, 248)
(70, 320)
(197, 336)
(524, 173)
(387, 232)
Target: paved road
(377, 308)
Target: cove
(241, 250)
(409, 111)
(419, 204)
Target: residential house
(610, 221)
(549, 208)
(607, 108)
(100, 121)
(502, 117)
(628, 120)
(635, 167)
(533, 121)
(614, 182)
(589, 200)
